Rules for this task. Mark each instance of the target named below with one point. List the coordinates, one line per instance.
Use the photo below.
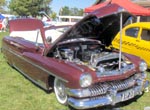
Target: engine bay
(89, 52)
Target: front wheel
(59, 89)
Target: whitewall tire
(59, 89)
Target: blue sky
(57, 4)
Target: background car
(135, 40)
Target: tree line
(33, 8)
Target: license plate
(127, 95)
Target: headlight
(143, 66)
(85, 80)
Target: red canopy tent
(94, 7)
(126, 4)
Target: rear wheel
(59, 89)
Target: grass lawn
(18, 93)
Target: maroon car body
(77, 64)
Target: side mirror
(49, 39)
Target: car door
(21, 47)
(144, 45)
(33, 68)
(132, 39)
(27, 66)
(129, 40)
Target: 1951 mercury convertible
(75, 62)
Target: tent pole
(120, 48)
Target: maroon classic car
(75, 63)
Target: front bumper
(111, 98)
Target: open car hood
(102, 24)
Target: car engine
(91, 53)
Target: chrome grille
(99, 89)
(102, 88)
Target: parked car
(77, 64)
(135, 40)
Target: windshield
(56, 32)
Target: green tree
(76, 12)
(29, 7)
(45, 6)
(71, 11)
(53, 15)
(64, 11)
(3, 4)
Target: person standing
(4, 24)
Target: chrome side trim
(43, 69)
(43, 85)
